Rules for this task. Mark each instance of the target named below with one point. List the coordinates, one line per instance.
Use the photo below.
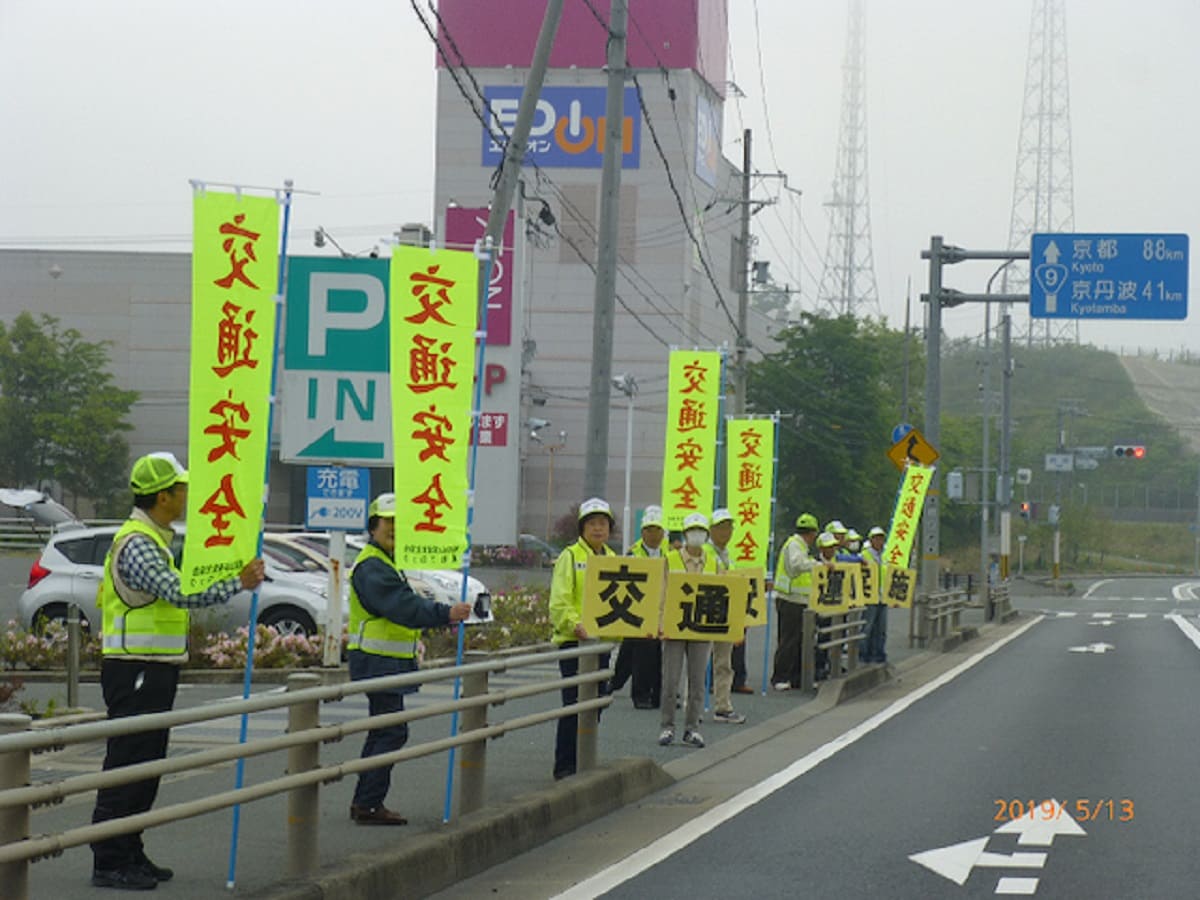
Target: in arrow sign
(1051, 253)
(956, 861)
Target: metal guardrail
(18, 741)
(936, 616)
(839, 638)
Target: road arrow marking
(956, 861)
(1185, 592)
(1093, 648)
(1049, 819)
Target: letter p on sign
(323, 317)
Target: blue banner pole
(251, 627)
(770, 576)
(489, 252)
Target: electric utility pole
(595, 472)
(744, 259)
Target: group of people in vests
(657, 667)
(806, 548)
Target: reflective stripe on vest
(375, 634)
(157, 629)
(784, 582)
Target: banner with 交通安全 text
(690, 460)
(907, 514)
(750, 478)
(434, 301)
(235, 260)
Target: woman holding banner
(566, 613)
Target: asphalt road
(923, 788)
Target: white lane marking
(1137, 615)
(1092, 648)
(1186, 627)
(1099, 583)
(1103, 623)
(1102, 615)
(674, 841)
(1137, 599)
(1067, 615)
(1009, 885)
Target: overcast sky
(109, 108)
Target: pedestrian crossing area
(1104, 616)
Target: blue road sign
(900, 431)
(1108, 276)
(337, 499)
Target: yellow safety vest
(157, 629)
(639, 549)
(676, 563)
(566, 589)
(375, 634)
(784, 583)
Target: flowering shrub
(20, 649)
(272, 650)
(505, 556)
(521, 617)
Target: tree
(837, 384)
(66, 419)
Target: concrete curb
(438, 859)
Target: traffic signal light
(1129, 451)
(1025, 510)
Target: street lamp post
(627, 385)
(552, 449)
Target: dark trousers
(131, 688)
(373, 785)
(645, 665)
(566, 738)
(787, 654)
(738, 658)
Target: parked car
(443, 585)
(71, 566)
(547, 553)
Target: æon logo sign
(568, 130)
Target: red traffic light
(1129, 451)
(1139, 452)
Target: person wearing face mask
(697, 558)
(876, 640)
(724, 668)
(641, 658)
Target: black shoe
(129, 878)
(560, 774)
(158, 873)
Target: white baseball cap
(695, 520)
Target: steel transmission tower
(848, 278)
(1043, 188)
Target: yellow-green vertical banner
(690, 461)
(907, 514)
(235, 265)
(434, 296)
(750, 476)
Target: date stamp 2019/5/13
(1111, 809)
